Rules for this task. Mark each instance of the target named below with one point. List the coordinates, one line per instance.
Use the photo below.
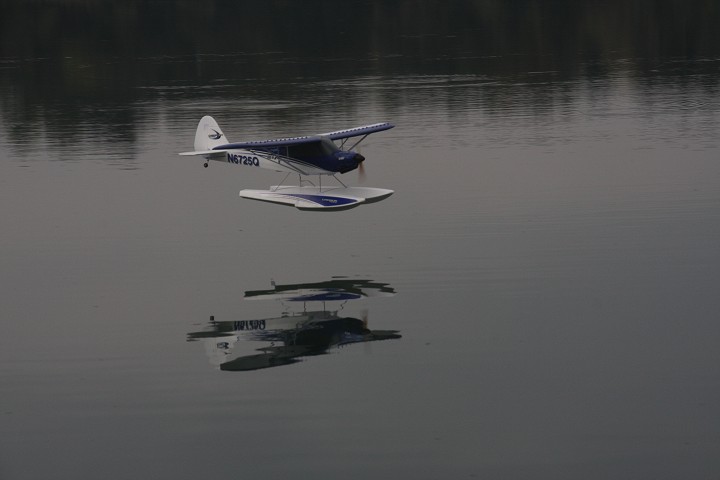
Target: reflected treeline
(85, 31)
(100, 62)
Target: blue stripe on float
(323, 200)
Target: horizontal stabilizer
(205, 153)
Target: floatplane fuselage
(316, 155)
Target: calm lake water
(539, 299)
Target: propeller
(361, 172)
(361, 168)
(364, 314)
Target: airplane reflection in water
(294, 334)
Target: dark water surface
(539, 299)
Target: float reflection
(312, 323)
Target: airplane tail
(208, 135)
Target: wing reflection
(298, 332)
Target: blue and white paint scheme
(337, 288)
(304, 156)
(315, 198)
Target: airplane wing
(357, 131)
(289, 141)
(277, 142)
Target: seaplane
(325, 154)
(231, 345)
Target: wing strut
(341, 182)
(342, 145)
(283, 181)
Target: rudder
(208, 134)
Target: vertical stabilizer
(208, 135)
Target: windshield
(319, 148)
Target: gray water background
(553, 240)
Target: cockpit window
(320, 148)
(328, 146)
